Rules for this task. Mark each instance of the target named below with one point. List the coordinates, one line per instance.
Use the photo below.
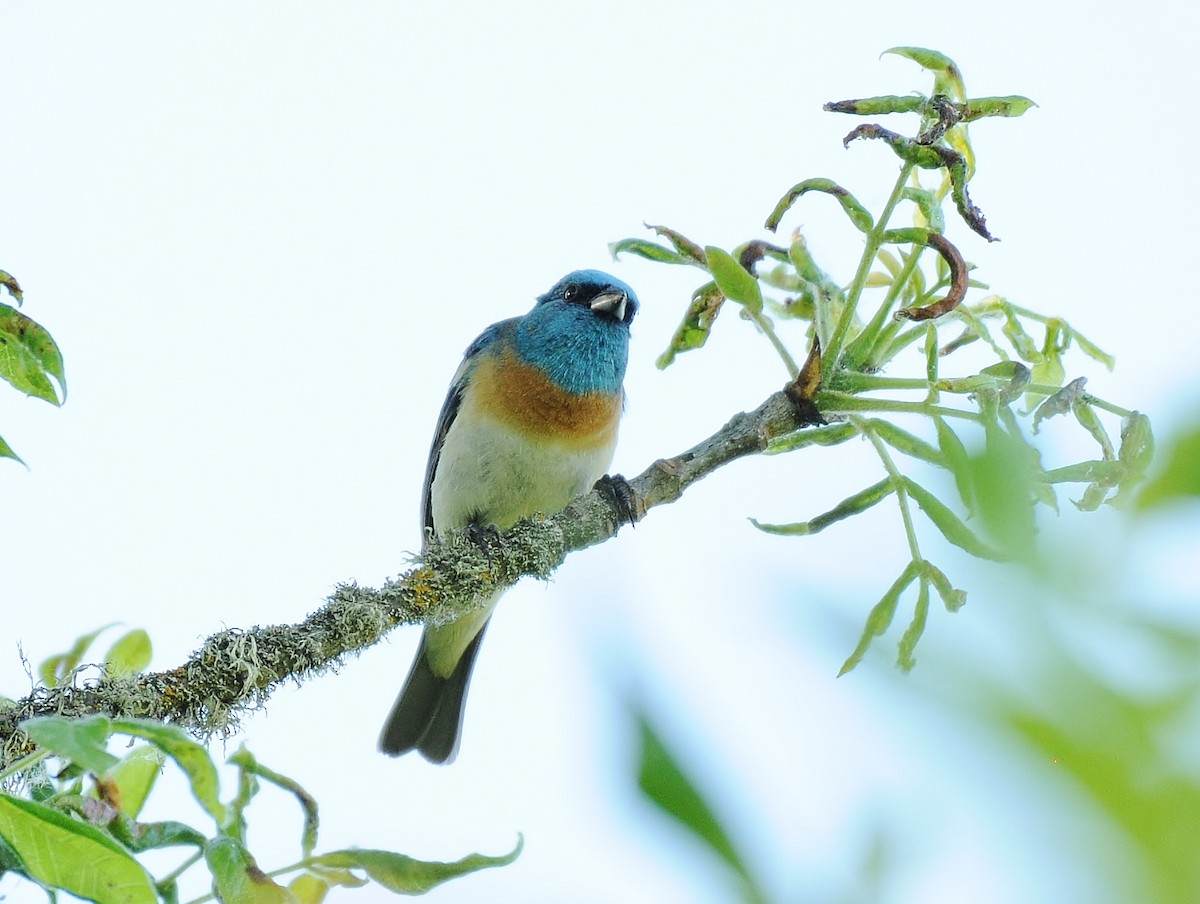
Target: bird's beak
(613, 303)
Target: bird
(530, 422)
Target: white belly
(490, 473)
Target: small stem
(181, 869)
(765, 324)
(1108, 406)
(856, 382)
(833, 349)
(831, 402)
(897, 479)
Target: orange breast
(525, 398)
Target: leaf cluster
(79, 830)
(980, 421)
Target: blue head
(578, 332)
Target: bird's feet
(620, 494)
(484, 536)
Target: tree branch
(236, 670)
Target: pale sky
(264, 234)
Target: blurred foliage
(778, 286)
(76, 828)
(29, 358)
(1179, 477)
(1114, 722)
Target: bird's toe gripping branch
(621, 497)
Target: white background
(263, 235)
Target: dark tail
(427, 716)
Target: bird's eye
(570, 291)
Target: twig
(236, 670)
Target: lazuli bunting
(529, 423)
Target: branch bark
(236, 670)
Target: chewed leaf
(946, 77)
(697, 322)
(9, 282)
(1059, 403)
(1012, 105)
(647, 249)
(858, 214)
(681, 243)
(877, 106)
(406, 875)
(29, 357)
(237, 877)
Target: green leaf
(191, 757)
(1136, 453)
(148, 836)
(9, 282)
(29, 356)
(667, 786)
(1021, 341)
(903, 441)
(735, 281)
(6, 451)
(64, 853)
(1086, 415)
(946, 77)
(309, 888)
(1059, 403)
(931, 210)
(82, 741)
(881, 616)
(237, 878)
(647, 249)
(681, 243)
(404, 875)
(829, 435)
(697, 322)
(54, 669)
(952, 527)
(129, 654)
(858, 215)
(853, 505)
(1093, 351)
(1004, 477)
(130, 780)
(1178, 479)
(877, 106)
(912, 634)
(1012, 105)
(1017, 375)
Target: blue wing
(449, 413)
